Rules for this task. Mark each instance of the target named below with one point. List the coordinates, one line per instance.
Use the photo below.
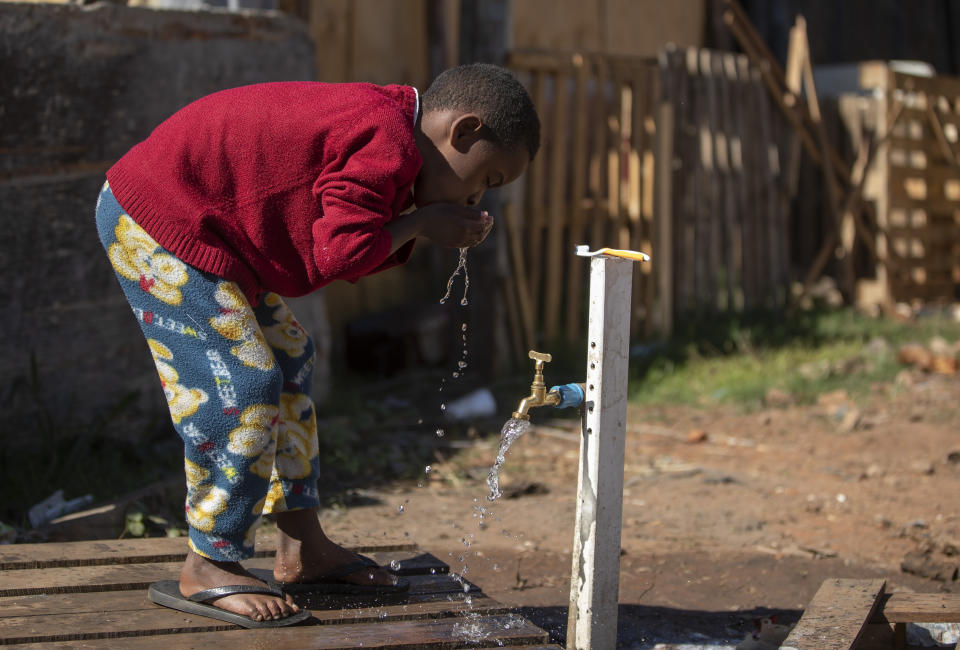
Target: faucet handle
(540, 357)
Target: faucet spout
(535, 399)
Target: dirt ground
(728, 517)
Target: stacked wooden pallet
(915, 183)
(60, 595)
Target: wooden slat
(137, 551)
(836, 616)
(919, 608)
(557, 208)
(536, 201)
(598, 156)
(578, 183)
(400, 634)
(938, 85)
(119, 577)
(113, 615)
(663, 224)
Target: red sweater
(279, 187)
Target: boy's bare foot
(200, 573)
(306, 554)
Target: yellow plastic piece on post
(637, 256)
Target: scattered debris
(768, 634)
(54, 506)
(839, 407)
(932, 635)
(776, 398)
(8, 534)
(939, 356)
(922, 562)
(526, 489)
(922, 467)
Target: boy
(275, 190)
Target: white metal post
(595, 575)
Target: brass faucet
(538, 390)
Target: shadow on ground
(640, 627)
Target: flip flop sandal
(167, 593)
(334, 583)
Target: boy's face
(460, 163)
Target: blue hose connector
(570, 395)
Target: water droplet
(464, 302)
(420, 421)
(439, 433)
(463, 328)
(433, 571)
(462, 364)
(395, 565)
(383, 615)
(443, 301)
(456, 374)
(427, 469)
(400, 509)
(443, 407)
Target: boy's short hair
(495, 95)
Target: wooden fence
(674, 157)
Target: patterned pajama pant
(237, 380)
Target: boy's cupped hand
(455, 226)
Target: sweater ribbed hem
(182, 245)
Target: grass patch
(736, 360)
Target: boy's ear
(465, 131)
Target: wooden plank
(663, 221)
(598, 156)
(446, 632)
(710, 63)
(521, 279)
(702, 244)
(939, 85)
(109, 617)
(543, 60)
(152, 549)
(647, 124)
(536, 205)
(755, 261)
(835, 617)
(574, 318)
(739, 77)
(557, 209)
(120, 577)
(641, 195)
(919, 608)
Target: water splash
(471, 628)
(461, 265)
(513, 429)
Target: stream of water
(513, 429)
(461, 266)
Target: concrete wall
(80, 86)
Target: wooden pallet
(95, 592)
(860, 615)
